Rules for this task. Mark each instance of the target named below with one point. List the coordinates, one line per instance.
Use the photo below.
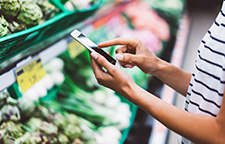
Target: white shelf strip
(8, 78)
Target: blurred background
(48, 92)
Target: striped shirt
(206, 89)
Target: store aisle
(201, 20)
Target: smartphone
(91, 46)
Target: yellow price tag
(30, 74)
(75, 48)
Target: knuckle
(127, 57)
(100, 60)
(136, 40)
(114, 70)
(97, 77)
(142, 59)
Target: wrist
(129, 90)
(160, 67)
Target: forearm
(172, 76)
(197, 128)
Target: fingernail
(94, 55)
(119, 56)
(100, 44)
(128, 66)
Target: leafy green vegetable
(4, 31)
(30, 14)
(9, 8)
(10, 113)
(12, 129)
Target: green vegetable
(2, 134)
(47, 8)
(11, 101)
(73, 99)
(3, 98)
(10, 8)
(63, 139)
(84, 77)
(4, 31)
(88, 135)
(34, 123)
(30, 14)
(48, 128)
(43, 113)
(72, 131)
(8, 140)
(12, 129)
(34, 138)
(59, 121)
(23, 139)
(72, 119)
(26, 107)
(10, 113)
(16, 27)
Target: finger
(128, 58)
(99, 73)
(122, 49)
(127, 65)
(95, 66)
(123, 64)
(103, 62)
(118, 41)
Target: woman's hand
(113, 78)
(133, 53)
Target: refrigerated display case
(25, 56)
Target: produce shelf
(56, 31)
(8, 78)
(160, 132)
(17, 42)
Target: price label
(75, 48)
(30, 74)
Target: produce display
(172, 8)
(17, 15)
(25, 122)
(143, 24)
(68, 106)
(74, 115)
(80, 94)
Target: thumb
(102, 61)
(125, 57)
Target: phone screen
(86, 42)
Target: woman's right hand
(133, 53)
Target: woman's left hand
(113, 78)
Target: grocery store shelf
(160, 132)
(8, 78)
